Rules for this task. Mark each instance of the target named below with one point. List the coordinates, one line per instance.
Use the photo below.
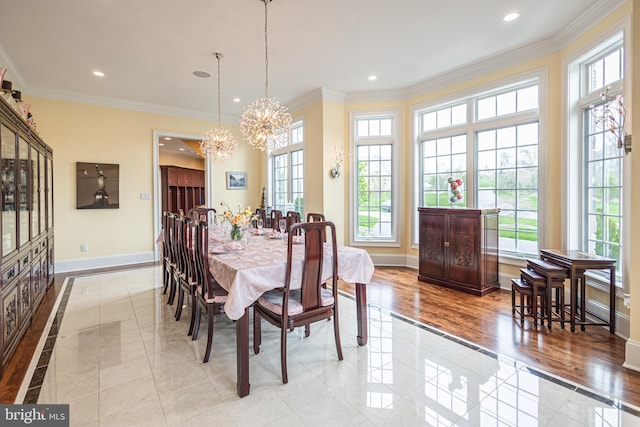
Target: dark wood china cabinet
(26, 227)
(459, 248)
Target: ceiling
(149, 49)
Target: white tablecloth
(261, 267)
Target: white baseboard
(103, 262)
(632, 355)
(391, 260)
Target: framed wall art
(236, 180)
(97, 186)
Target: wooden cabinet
(459, 248)
(182, 188)
(26, 227)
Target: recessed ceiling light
(202, 74)
(161, 144)
(181, 149)
(167, 138)
(372, 78)
(236, 99)
(511, 16)
(98, 73)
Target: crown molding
(314, 96)
(127, 105)
(12, 70)
(598, 11)
(376, 96)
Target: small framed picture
(236, 180)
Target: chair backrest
(185, 247)
(293, 217)
(201, 259)
(165, 235)
(170, 240)
(276, 215)
(314, 255)
(201, 213)
(315, 217)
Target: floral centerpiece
(238, 220)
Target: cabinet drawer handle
(446, 244)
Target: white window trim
(282, 150)
(540, 76)
(396, 196)
(572, 81)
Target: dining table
(257, 264)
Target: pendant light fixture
(265, 124)
(218, 144)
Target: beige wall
(88, 133)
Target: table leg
(548, 310)
(573, 290)
(242, 354)
(361, 310)
(583, 299)
(612, 300)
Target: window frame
(289, 149)
(471, 129)
(396, 197)
(579, 98)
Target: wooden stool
(526, 293)
(546, 277)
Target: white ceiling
(149, 49)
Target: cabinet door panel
(463, 249)
(432, 256)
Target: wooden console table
(578, 262)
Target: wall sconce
(338, 153)
(612, 115)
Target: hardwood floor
(592, 358)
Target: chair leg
(283, 354)
(180, 302)
(207, 353)
(194, 305)
(172, 288)
(336, 332)
(165, 277)
(196, 326)
(307, 330)
(257, 332)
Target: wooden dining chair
(167, 266)
(201, 213)
(276, 216)
(262, 214)
(293, 217)
(188, 283)
(209, 294)
(293, 306)
(314, 217)
(171, 242)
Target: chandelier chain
(266, 51)
(218, 56)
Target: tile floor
(119, 358)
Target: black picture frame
(97, 185)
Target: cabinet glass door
(35, 198)
(41, 192)
(23, 191)
(8, 172)
(49, 193)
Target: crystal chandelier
(218, 144)
(265, 124)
